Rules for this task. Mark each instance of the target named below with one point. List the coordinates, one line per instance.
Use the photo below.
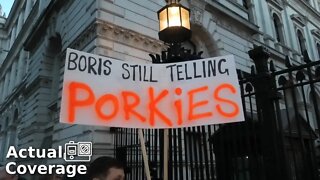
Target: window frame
(301, 41)
(278, 28)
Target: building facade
(35, 35)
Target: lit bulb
(174, 16)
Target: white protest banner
(103, 91)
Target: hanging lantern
(174, 22)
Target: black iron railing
(278, 140)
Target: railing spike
(164, 56)
(287, 62)
(253, 70)
(306, 57)
(240, 74)
(317, 74)
(158, 58)
(248, 88)
(282, 80)
(272, 67)
(169, 54)
(154, 60)
(300, 76)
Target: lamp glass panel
(163, 19)
(185, 16)
(174, 16)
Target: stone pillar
(11, 135)
(26, 59)
(42, 4)
(21, 67)
(310, 43)
(27, 10)
(292, 35)
(12, 76)
(313, 3)
(4, 145)
(1, 94)
(2, 155)
(13, 36)
(317, 5)
(6, 85)
(2, 91)
(251, 12)
(266, 20)
(20, 23)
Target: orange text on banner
(131, 101)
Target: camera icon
(77, 152)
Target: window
(301, 41)
(245, 4)
(13, 134)
(278, 28)
(53, 55)
(4, 145)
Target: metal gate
(278, 140)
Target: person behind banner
(52, 177)
(106, 168)
(5, 176)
